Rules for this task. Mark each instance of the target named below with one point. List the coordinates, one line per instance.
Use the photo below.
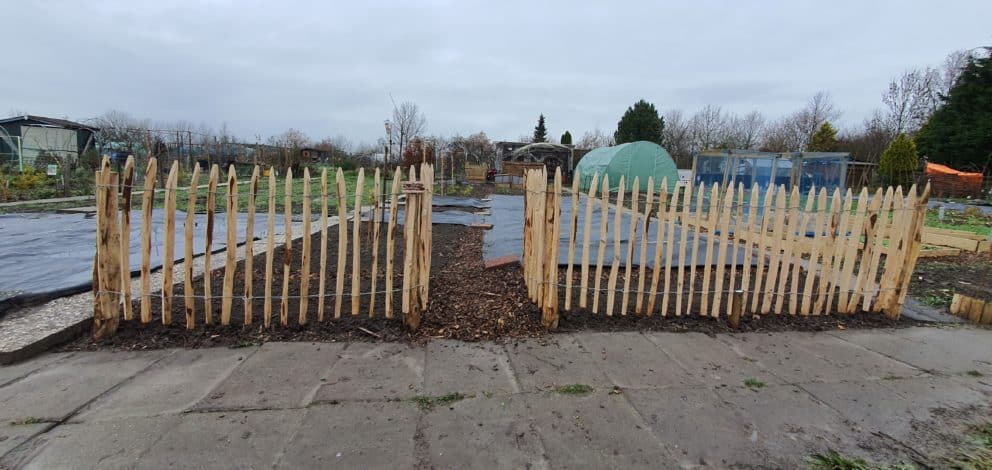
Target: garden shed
(634, 159)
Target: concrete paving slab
(279, 375)
(870, 364)
(354, 435)
(107, 444)
(789, 423)
(56, 391)
(483, 432)
(13, 372)
(931, 393)
(708, 360)
(869, 406)
(238, 439)
(543, 364)
(782, 356)
(698, 426)
(630, 360)
(12, 436)
(597, 430)
(374, 371)
(170, 386)
(456, 366)
(941, 350)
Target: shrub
(898, 161)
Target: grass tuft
(754, 384)
(574, 389)
(426, 403)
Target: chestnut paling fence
(112, 287)
(819, 254)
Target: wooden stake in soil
(829, 268)
(673, 207)
(127, 184)
(656, 270)
(188, 292)
(615, 266)
(721, 257)
(712, 220)
(169, 250)
(356, 248)
(391, 239)
(572, 230)
(645, 225)
(553, 224)
(775, 262)
(841, 252)
(603, 224)
(377, 202)
(762, 255)
(798, 235)
(288, 251)
(305, 255)
(342, 241)
(270, 242)
(586, 233)
(107, 263)
(411, 211)
(749, 238)
(147, 202)
(231, 250)
(814, 256)
(634, 212)
(249, 244)
(322, 288)
(683, 241)
(208, 310)
(700, 193)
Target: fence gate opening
(717, 251)
(371, 234)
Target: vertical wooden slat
(100, 257)
(270, 242)
(762, 238)
(427, 237)
(881, 235)
(683, 244)
(712, 221)
(391, 239)
(778, 238)
(342, 195)
(914, 241)
(305, 255)
(634, 214)
(539, 191)
(126, 186)
(573, 228)
(659, 244)
(109, 270)
(869, 229)
(604, 224)
(749, 242)
(553, 219)
(673, 207)
(840, 242)
(586, 233)
(789, 234)
(740, 233)
(322, 287)
(815, 251)
(645, 226)
(852, 235)
(188, 292)
(376, 204)
(798, 233)
(169, 248)
(617, 231)
(902, 220)
(356, 247)
(693, 265)
(230, 251)
(830, 267)
(721, 257)
(147, 202)
(250, 245)
(208, 311)
(410, 216)
(287, 259)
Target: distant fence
(815, 255)
(112, 281)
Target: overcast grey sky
(328, 68)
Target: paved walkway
(658, 400)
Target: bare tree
(911, 99)
(595, 139)
(707, 127)
(677, 137)
(408, 122)
(867, 142)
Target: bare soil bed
(468, 302)
(935, 280)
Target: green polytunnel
(634, 159)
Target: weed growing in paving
(754, 384)
(27, 421)
(426, 403)
(974, 373)
(832, 460)
(574, 389)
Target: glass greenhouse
(634, 159)
(807, 169)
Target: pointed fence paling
(758, 250)
(112, 284)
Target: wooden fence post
(250, 245)
(356, 248)
(147, 201)
(573, 228)
(288, 248)
(126, 187)
(270, 242)
(586, 229)
(391, 239)
(168, 252)
(230, 250)
(188, 300)
(305, 255)
(322, 289)
(107, 262)
(553, 227)
(208, 310)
